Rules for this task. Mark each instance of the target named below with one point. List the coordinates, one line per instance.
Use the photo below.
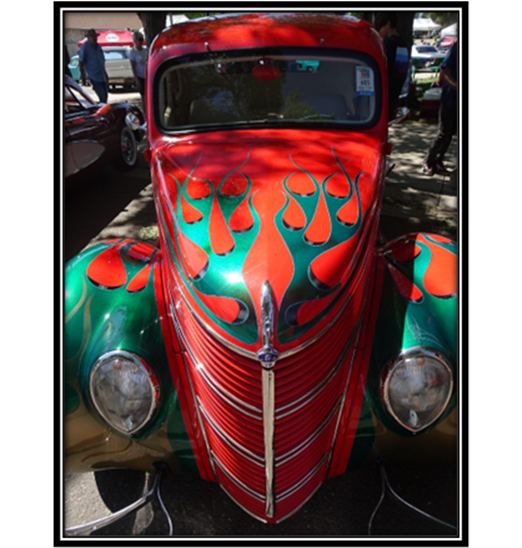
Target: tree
(404, 23)
(443, 18)
(153, 23)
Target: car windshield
(115, 54)
(426, 49)
(270, 87)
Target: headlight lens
(124, 390)
(416, 388)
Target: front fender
(418, 308)
(110, 304)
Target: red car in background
(96, 134)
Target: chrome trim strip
(269, 429)
(284, 354)
(295, 510)
(358, 329)
(289, 455)
(144, 366)
(172, 312)
(237, 482)
(290, 491)
(227, 396)
(87, 528)
(252, 457)
(251, 514)
(311, 394)
(212, 383)
(268, 357)
(418, 350)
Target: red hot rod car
(273, 338)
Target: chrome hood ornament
(268, 355)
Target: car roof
(251, 30)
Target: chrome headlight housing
(416, 388)
(124, 390)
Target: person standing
(92, 62)
(138, 59)
(396, 55)
(433, 163)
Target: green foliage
(198, 14)
(443, 18)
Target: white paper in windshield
(364, 81)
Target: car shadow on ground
(343, 507)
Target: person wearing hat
(92, 62)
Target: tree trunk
(153, 23)
(405, 26)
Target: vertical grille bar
(269, 427)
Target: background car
(74, 67)
(425, 57)
(431, 101)
(446, 43)
(96, 133)
(118, 66)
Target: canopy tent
(113, 38)
(424, 24)
(449, 31)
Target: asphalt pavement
(116, 205)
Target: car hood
(243, 209)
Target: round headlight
(124, 390)
(417, 387)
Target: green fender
(418, 308)
(110, 304)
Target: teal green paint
(179, 439)
(403, 324)
(224, 275)
(364, 437)
(71, 399)
(301, 288)
(100, 320)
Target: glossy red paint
(320, 375)
(177, 370)
(309, 405)
(355, 390)
(441, 277)
(108, 269)
(267, 157)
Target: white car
(424, 56)
(118, 66)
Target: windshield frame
(303, 52)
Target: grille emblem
(268, 357)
